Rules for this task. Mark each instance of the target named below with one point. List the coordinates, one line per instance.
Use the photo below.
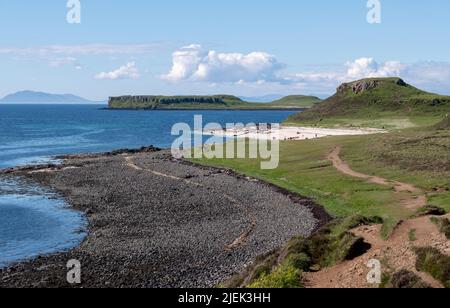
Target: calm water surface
(34, 221)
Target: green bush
(286, 276)
(300, 261)
(408, 280)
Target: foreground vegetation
(433, 262)
(284, 267)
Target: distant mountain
(376, 98)
(41, 97)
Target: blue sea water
(32, 221)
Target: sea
(35, 221)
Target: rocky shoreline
(159, 222)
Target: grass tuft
(412, 235)
(432, 261)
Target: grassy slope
(391, 103)
(296, 101)
(208, 102)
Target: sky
(245, 48)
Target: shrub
(286, 276)
(408, 280)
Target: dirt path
(395, 253)
(417, 199)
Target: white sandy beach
(289, 132)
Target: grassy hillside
(206, 102)
(297, 101)
(374, 99)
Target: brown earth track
(417, 199)
(395, 253)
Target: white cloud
(128, 71)
(368, 68)
(60, 55)
(86, 49)
(71, 61)
(430, 76)
(196, 64)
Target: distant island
(209, 102)
(41, 97)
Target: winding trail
(416, 201)
(239, 240)
(396, 252)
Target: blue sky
(248, 48)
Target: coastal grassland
(418, 156)
(305, 169)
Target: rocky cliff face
(361, 86)
(157, 101)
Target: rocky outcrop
(363, 85)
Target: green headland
(214, 102)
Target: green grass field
(417, 156)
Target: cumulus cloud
(430, 76)
(128, 71)
(369, 68)
(352, 70)
(196, 64)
